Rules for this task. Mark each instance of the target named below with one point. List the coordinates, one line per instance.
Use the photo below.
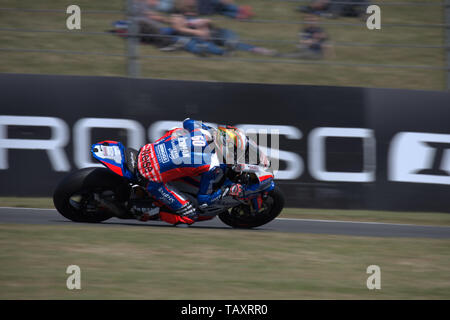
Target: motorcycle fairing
(265, 178)
(112, 155)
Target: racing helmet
(231, 144)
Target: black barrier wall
(339, 147)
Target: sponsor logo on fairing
(184, 147)
(133, 161)
(172, 153)
(145, 161)
(161, 153)
(165, 196)
(109, 152)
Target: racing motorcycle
(97, 194)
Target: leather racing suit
(181, 153)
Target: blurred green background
(196, 68)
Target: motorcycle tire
(259, 219)
(82, 182)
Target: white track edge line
(46, 209)
(360, 222)
(290, 219)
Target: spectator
(207, 39)
(149, 10)
(336, 8)
(166, 6)
(204, 7)
(152, 23)
(153, 26)
(185, 31)
(357, 8)
(230, 40)
(313, 42)
(224, 7)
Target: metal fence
(135, 59)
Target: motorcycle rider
(194, 150)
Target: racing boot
(185, 216)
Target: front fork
(257, 203)
(256, 200)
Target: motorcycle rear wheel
(240, 217)
(73, 197)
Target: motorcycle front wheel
(242, 217)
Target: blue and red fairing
(112, 155)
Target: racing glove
(236, 190)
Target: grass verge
(172, 263)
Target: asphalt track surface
(329, 227)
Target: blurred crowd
(336, 8)
(180, 25)
(173, 25)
